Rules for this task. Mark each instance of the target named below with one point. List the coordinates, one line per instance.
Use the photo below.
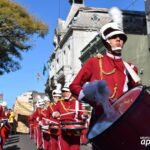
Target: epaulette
(51, 103)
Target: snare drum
(45, 129)
(131, 127)
(54, 128)
(72, 128)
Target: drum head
(131, 127)
(125, 101)
(120, 106)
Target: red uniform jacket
(105, 68)
(69, 109)
(50, 109)
(36, 117)
(2, 113)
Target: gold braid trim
(64, 106)
(103, 72)
(114, 93)
(99, 56)
(101, 68)
(43, 113)
(51, 107)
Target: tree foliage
(17, 26)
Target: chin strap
(133, 74)
(116, 49)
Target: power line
(131, 4)
(58, 8)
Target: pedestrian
(11, 119)
(105, 77)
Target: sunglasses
(121, 37)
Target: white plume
(116, 16)
(68, 80)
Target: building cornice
(70, 30)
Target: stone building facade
(77, 38)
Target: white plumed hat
(46, 98)
(57, 91)
(114, 27)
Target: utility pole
(76, 1)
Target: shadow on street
(12, 143)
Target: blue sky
(25, 79)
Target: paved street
(23, 142)
(19, 142)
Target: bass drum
(131, 130)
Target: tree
(17, 26)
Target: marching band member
(84, 139)
(4, 125)
(47, 101)
(45, 125)
(57, 96)
(31, 127)
(68, 110)
(41, 114)
(107, 76)
(33, 123)
(37, 117)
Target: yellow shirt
(11, 117)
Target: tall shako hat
(46, 98)
(111, 29)
(66, 87)
(68, 81)
(115, 27)
(57, 91)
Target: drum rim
(124, 114)
(53, 124)
(72, 123)
(71, 129)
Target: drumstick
(51, 121)
(79, 110)
(67, 114)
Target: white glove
(37, 119)
(40, 123)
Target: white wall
(80, 40)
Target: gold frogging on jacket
(66, 109)
(100, 56)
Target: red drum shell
(132, 125)
(54, 129)
(72, 128)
